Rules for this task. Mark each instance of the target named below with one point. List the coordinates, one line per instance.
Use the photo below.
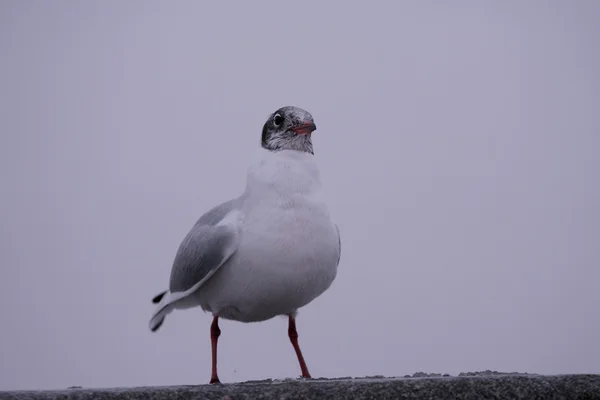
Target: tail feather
(167, 301)
(164, 307)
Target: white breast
(289, 246)
(287, 181)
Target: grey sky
(458, 145)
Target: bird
(269, 251)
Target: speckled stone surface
(419, 386)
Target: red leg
(293, 334)
(215, 332)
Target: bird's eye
(277, 120)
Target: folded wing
(208, 245)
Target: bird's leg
(215, 332)
(293, 334)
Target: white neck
(284, 171)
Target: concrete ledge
(481, 386)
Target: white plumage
(268, 252)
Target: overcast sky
(458, 146)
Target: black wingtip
(158, 298)
(155, 327)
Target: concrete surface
(477, 385)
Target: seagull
(266, 253)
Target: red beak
(304, 128)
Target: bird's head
(289, 128)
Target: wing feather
(209, 244)
(202, 252)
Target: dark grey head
(289, 128)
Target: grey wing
(206, 247)
(217, 213)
